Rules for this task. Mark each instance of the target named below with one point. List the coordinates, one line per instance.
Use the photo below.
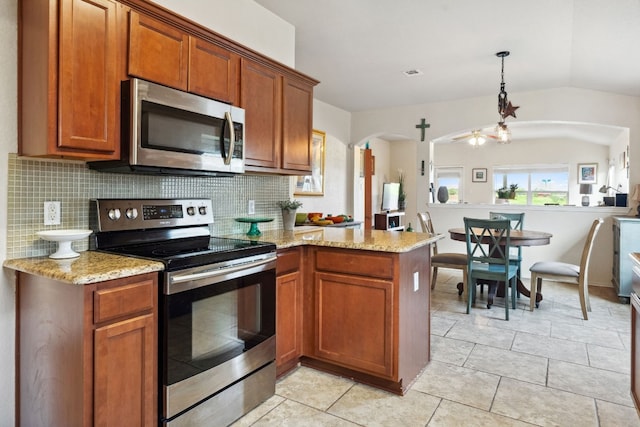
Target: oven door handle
(181, 278)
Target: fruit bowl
(335, 219)
(64, 239)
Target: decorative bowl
(301, 217)
(335, 219)
(64, 239)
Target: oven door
(216, 332)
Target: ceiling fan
(476, 137)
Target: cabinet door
(261, 98)
(635, 350)
(158, 52)
(354, 322)
(297, 108)
(213, 71)
(288, 319)
(124, 373)
(88, 85)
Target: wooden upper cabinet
(158, 52)
(278, 116)
(214, 72)
(69, 90)
(261, 98)
(297, 123)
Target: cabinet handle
(232, 138)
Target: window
(543, 185)
(451, 177)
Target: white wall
(8, 144)
(528, 152)
(338, 198)
(563, 104)
(243, 21)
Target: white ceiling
(359, 49)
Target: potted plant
(289, 208)
(402, 196)
(507, 192)
(512, 191)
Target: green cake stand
(254, 233)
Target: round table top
(518, 237)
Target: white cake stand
(64, 239)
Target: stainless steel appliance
(217, 307)
(168, 131)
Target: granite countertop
(89, 267)
(347, 238)
(93, 266)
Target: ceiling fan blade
(465, 136)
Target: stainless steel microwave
(168, 131)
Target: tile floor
(546, 368)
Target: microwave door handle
(232, 138)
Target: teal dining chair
(517, 223)
(488, 245)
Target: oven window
(209, 325)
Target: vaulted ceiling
(359, 49)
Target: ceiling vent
(412, 73)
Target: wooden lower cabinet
(87, 355)
(354, 322)
(289, 306)
(369, 315)
(354, 313)
(635, 330)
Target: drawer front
(288, 261)
(368, 264)
(123, 301)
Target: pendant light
(505, 108)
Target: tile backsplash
(34, 181)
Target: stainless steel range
(217, 307)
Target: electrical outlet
(251, 207)
(51, 213)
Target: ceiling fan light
(477, 139)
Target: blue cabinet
(626, 239)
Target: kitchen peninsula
(355, 303)
(352, 302)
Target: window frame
(531, 170)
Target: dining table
(517, 238)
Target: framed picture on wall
(479, 175)
(587, 173)
(313, 185)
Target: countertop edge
(377, 240)
(90, 267)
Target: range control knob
(131, 213)
(191, 211)
(114, 214)
(202, 210)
